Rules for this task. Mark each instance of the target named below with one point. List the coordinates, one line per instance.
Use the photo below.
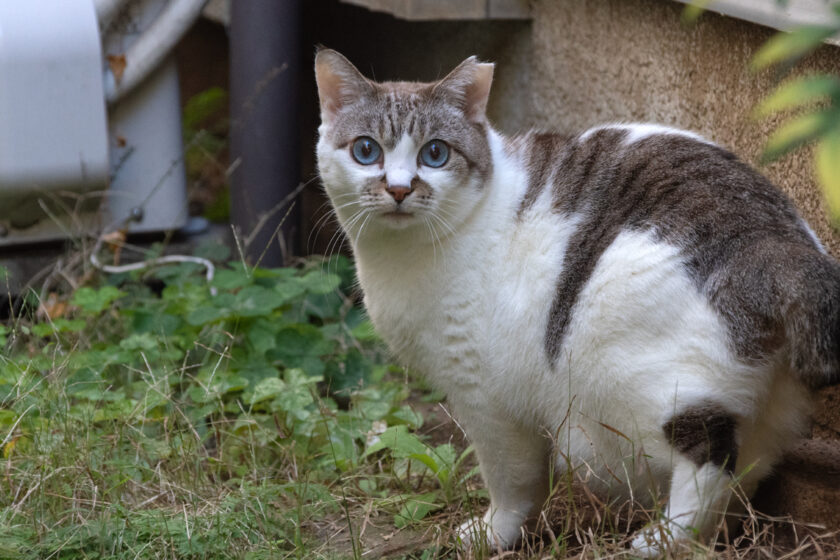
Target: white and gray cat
(632, 301)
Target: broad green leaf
(406, 415)
(267, 389)
(320, 282)
(796, 132)
(227, 279)
(416, 508)
(428, 461)
(203, 105)
(787, 47)
(95, 301)
(352, 373)
(261, 336)
(143, 341)
(206, 314)
(58, 326)
(365, 332)
(254, 301)
(400, 441)
(799, 92)
(301, 346)
(828, 171)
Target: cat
(632, 301)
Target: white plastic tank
(82, 146)
(53, 133)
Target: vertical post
(264, 60)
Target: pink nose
(399, 193)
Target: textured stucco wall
(597, 61)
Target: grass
(144, 417)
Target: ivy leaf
(828, 171)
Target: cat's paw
(500, 532)
(658, 541)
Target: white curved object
(106, 10)
(153, 46)
(52, 118)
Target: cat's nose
(398, 192)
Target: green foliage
(817, 98)
(205, 130)
(442, 461)
(134, 422)
(788, 48)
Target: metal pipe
(153, 46)
(265, 54)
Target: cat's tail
(810, 312)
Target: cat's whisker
(432, 236)
(320, 223)
(362, 227)
(439, 219)
(334, 245)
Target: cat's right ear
(339, 82)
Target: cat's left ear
(468, 86)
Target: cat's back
(737, 240)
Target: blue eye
(365, 150)
(435, 153)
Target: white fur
(640, 131)
(401, 163)
(468, 308)
(813, 236)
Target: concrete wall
(597, 61)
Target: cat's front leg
(514, 463)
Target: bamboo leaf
(791, 46)
(693, 10)
(798, 93)
(796, 132)
(828, 171)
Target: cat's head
(400, 155)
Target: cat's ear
(339, 82)
(468, 86)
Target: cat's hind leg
(704, 440)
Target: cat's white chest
(433, 327)
(474, 320)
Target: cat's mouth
(398, 214)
